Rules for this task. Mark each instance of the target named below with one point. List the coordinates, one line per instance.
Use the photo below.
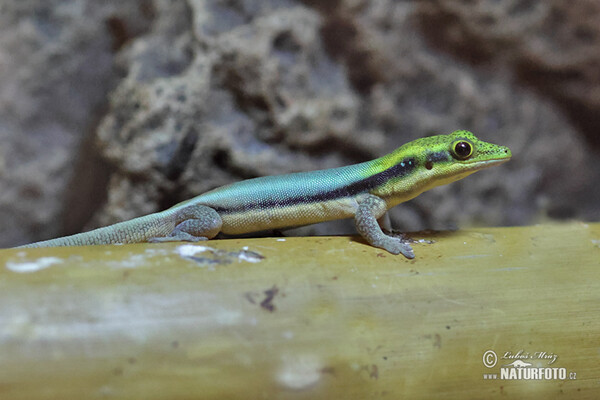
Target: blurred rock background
(113, 109)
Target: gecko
(364, 191)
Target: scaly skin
(362, 191)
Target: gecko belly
(286, 216)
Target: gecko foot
(397, 246)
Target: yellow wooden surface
(303, 318)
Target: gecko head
(433, 161)
(448, 158)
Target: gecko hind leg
(197, 223)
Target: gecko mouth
(488, 163)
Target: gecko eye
(462, 149)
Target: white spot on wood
(300, 372)
(33, 266)
(249, 257)
(190, 250)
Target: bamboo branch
(318, 318)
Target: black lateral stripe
(438, 156)
(362, 186)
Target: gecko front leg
(370, 209)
